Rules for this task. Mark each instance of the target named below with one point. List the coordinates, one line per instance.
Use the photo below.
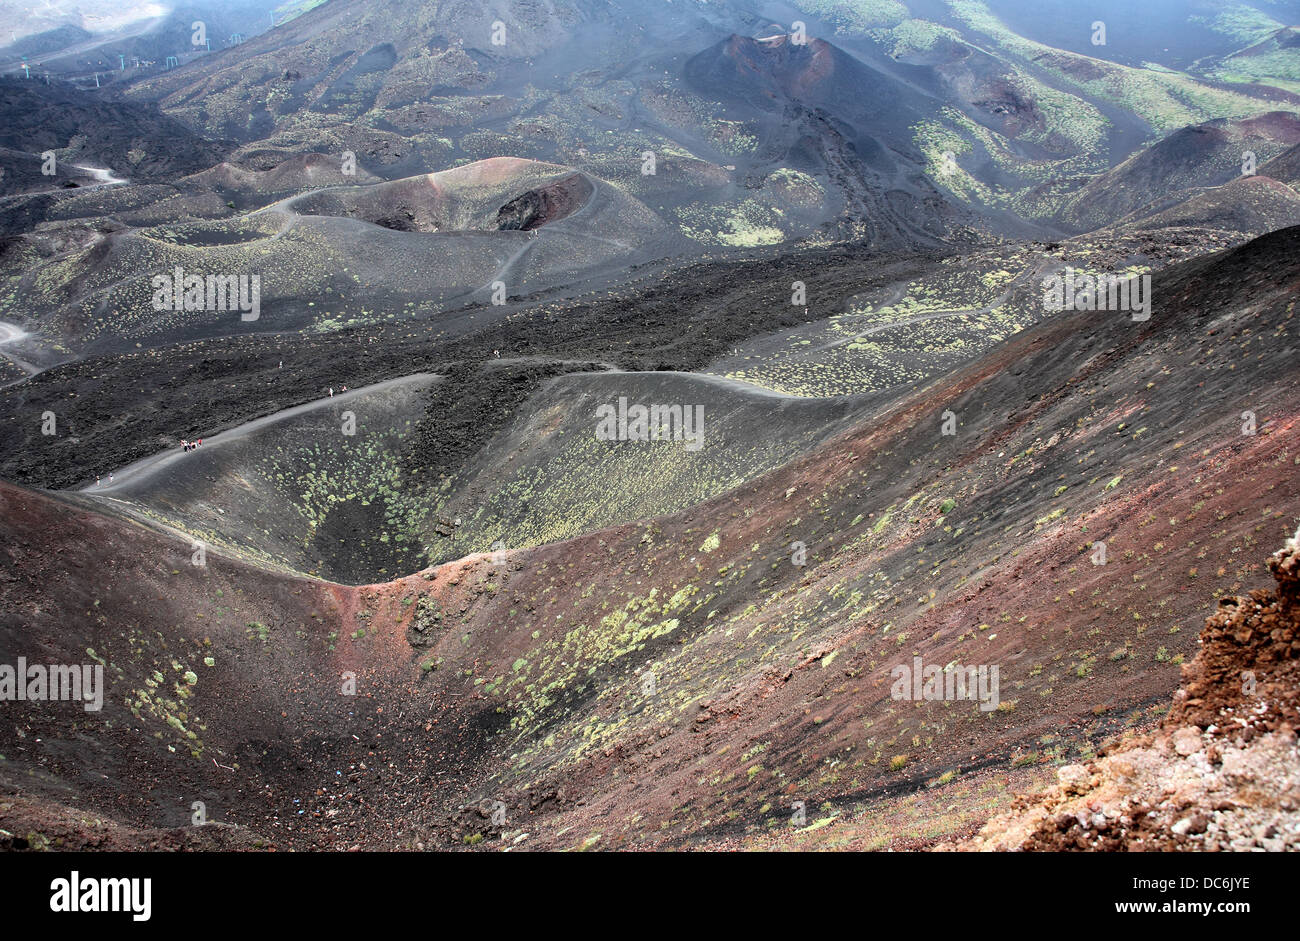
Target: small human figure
(331, 392)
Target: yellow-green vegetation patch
(916, 35)
(1165, 99)
(747, 225)
(857, 16)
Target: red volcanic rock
(1220, 773)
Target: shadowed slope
(683, 679)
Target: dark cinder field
(412, 592)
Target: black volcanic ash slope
(1208, 154)
(134, 140)
(772, 75)
(820, 110)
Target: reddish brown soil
(1220, 772)
(775, 684)
(37, 825)
(1259, 635)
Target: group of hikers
(194, 445)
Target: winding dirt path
(145, 468)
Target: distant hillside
(680, 681)
(135, 140)
(1245, 204)
(1285, 167)
(773, 76)
(1202, 155)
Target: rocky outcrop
(549, 203)
(1222, 772)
